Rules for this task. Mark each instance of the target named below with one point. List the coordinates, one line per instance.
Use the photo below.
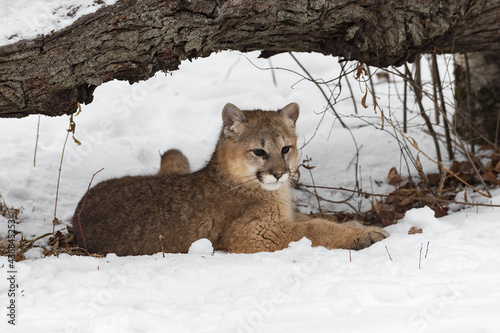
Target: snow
(295, 290)
(201, 246)
(26, 19)
(442, 280)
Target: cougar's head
(258, 146)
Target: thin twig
(351, 92)
(427, 250)
(467, 83)
(315, 191)
(388, 253)
(273, 75)
(29, 243)
(56, 220)
(81, 209)
(420, 257)
(161, 244)
(442, 108)
(442, 179)
(372, 86)
(297, 73)
(317, 128)
(345, 201)
(321, 89)
(402, 197)
(36, 142)
(434, 92)
(405, 99)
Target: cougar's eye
(259, 152)
(285, 150)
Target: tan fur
(241, 200)
(174, 162)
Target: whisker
(240, 185)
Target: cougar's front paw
(369, 236)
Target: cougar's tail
(173, 163)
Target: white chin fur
(271, 187)
(269, 182)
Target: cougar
(241, 200)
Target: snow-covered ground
(443, 280)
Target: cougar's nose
(277, 175)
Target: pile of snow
(201, 246)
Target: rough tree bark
(133, 39)
(477, 95)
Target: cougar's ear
(290, 111)
(232, 118)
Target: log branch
(133, 39)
